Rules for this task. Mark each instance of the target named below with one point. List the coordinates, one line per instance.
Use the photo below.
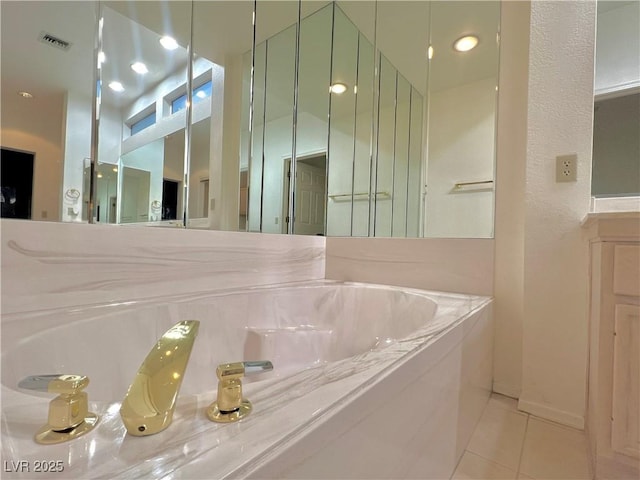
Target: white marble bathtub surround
(412, 423)
(51, 265)
(463, 265)
(314, 389)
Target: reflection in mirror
(414, 179)
(141, 173)
(402, 40)
(293, 150)
(312, 126)
(383, 172)
(222, 34)
(363, 148)
(377, 162)
(616, 115)
(462, 119)
(616, 147)
(47, 53)
(342, 168)
(107, 189)
(272, 129)
(371, 139)
(348, 122)
(143, 107)
(400, 182)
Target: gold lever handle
(69, 415)
(230, 406)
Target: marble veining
(51, 265)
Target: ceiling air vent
(54, 41)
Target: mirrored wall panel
(178, 116)
(341, 144)
(341, 118)
(47, 84)
(222, 35)
(462, 91)
(143, 64)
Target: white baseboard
(506, 390)
(617, 467)
(553, 414)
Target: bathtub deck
(285, 409)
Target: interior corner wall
(77, 146)
(560, 121)
(231, 143)
(34, 126)
(511, 154)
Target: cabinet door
(625, 427)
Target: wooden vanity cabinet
(613, 410)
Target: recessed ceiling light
(169, 43)
(430, 52)
(116, 87)
(139, 67)
(115, 169)
(466, 43)
(25, 94)
(99, 175)
(338, 88)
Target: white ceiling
(221, 28)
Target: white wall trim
(512, 391)
(553, 414)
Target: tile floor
(509, 444)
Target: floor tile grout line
(524, 438)
(494, 460)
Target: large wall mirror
(344, 118)
(616, 116)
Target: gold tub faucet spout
(150, 401)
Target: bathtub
(368, 382)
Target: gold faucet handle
(230, 406)
(68, 384)
(56, 383)
(69, 415)
(233, 371)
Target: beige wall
(511, 152)
(451, 265)
(34, 125)
(559, 121)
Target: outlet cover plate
(567, 168)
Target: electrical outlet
(567, 168)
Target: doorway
(16, 178)
(310, 195)
(169, 199)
